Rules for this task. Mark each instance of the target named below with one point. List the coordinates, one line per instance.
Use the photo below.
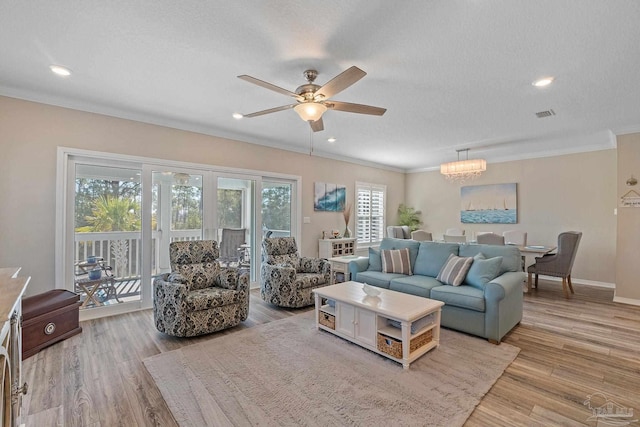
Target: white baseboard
(624, 300)
(582, 282)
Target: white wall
(31, 132)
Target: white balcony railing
(122, 249)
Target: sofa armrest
(504, 304)
(358, 265)
(504, 285)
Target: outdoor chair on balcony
(231, 244)
(198, 297)
(286, 279)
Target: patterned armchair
(198, 297)
(287, 279)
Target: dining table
(534, 251)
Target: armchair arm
(277, 275)
(315, 265)
(547, 258)
(169, 293)
(233, 278)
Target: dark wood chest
(48, 318)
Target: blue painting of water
(492, 216)
(333, 200)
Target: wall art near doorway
(489, 204)
(329, 197)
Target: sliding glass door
(277, 208)
(105, 264)
(176, 213)
(236, 222)
(120, 215)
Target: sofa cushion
(432, 256)
(375, 263)
(463, 296)
(511, 257)
(412, 245)
(414, 285)
(377, 278)
(455, 270)
(396, 261)
(483, 270)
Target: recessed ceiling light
(332, 139)
(545, 81)
(60, 70)
(237, 116)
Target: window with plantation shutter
(369, 213)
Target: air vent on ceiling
(546, 113)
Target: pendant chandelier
(463, 170)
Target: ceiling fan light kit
(310, 111)
(312, 98)
(463, 170)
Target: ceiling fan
(313, 100)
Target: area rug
(287, 373)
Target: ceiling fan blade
(270, 86)
(341, 82)
(318, 125)
(270, 110)
(355, 108)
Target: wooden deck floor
(570, 350)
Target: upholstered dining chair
(421, 236)
(455, 239)
(198, 296)
(558, 264)
(287, 279)
(515, 237)
(454, 232)
(490, 239)
(399, 231)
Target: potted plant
(409, 216)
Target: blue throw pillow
(375, 262)
(483, 270)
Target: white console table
(329, 248)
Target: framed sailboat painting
(489, 204)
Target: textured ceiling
(452, 74)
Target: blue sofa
(489, 302)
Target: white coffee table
(364, 320)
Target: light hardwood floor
(569, 350)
